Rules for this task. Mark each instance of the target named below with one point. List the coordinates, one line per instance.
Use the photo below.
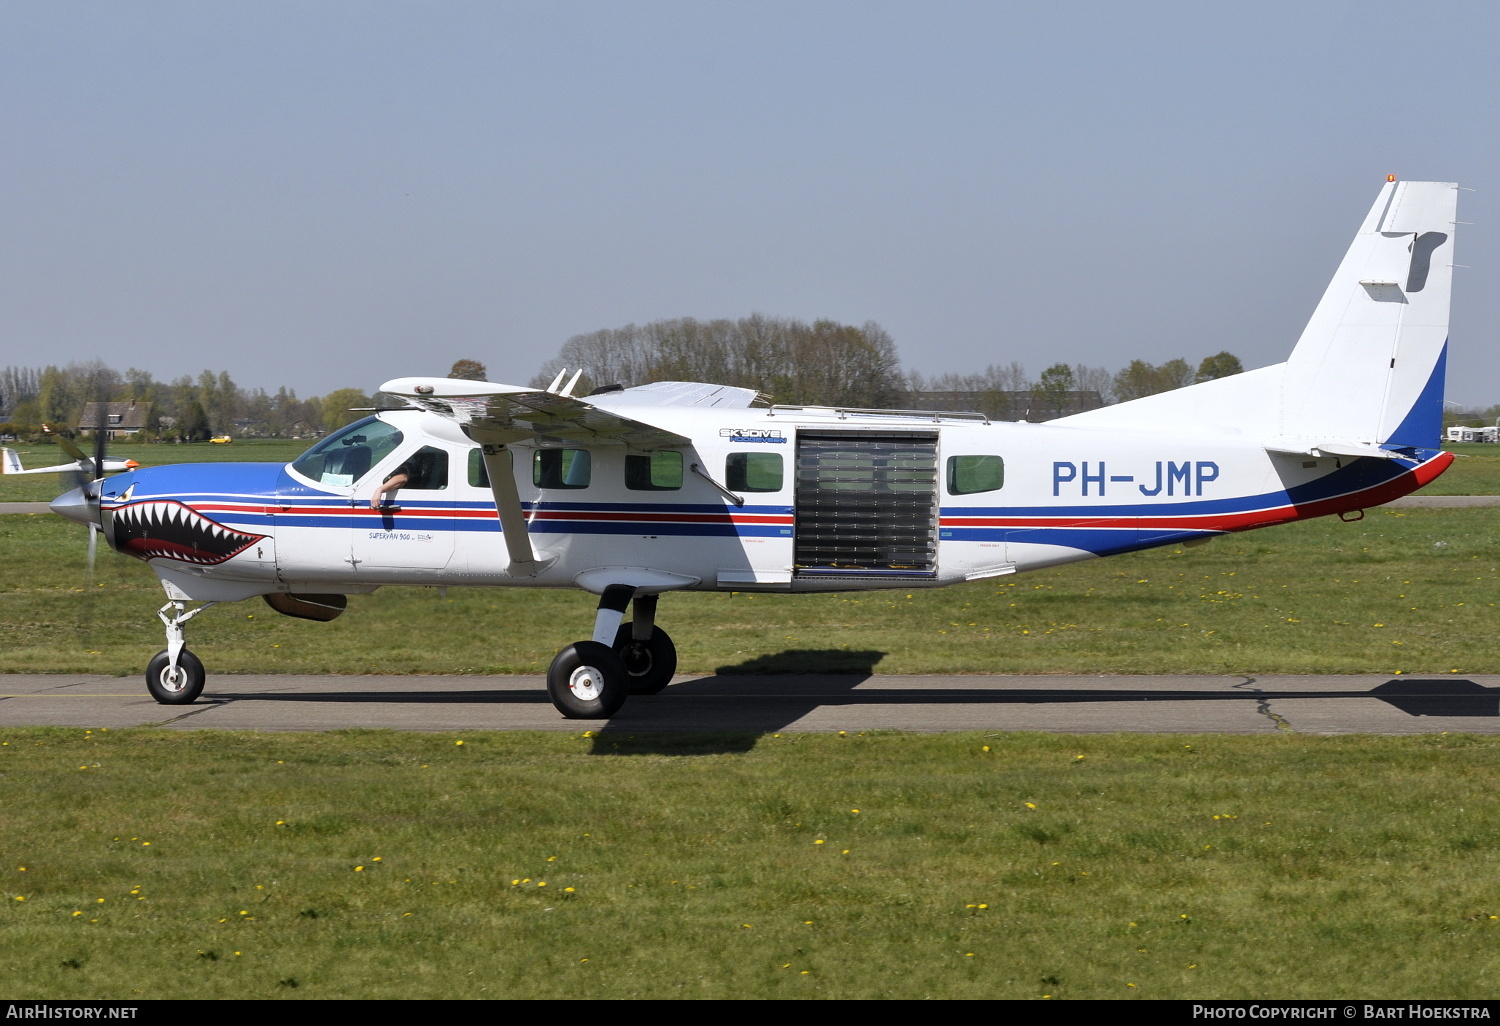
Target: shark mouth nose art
(169, 529)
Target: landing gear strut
(590, 680)
(175, 676)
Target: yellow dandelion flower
(359, 869)
(817, 842)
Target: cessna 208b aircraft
(672, 486)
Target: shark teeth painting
(171, 530)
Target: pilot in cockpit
(426, 469)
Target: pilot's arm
(397, 479)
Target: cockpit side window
(348, 454)
(425, 470)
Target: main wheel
(587, 681)
(182, 688)
(649, 663)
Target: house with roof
(116, 419)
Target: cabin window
(560, 468)
(970, 474)
(753, 471)
(348, 454)
(660, 471)
(426, 470)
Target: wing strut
(499, 464)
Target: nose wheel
(175, 685)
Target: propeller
(81, 503)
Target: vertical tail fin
(10, 463)
(1369, 366)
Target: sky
(327, 194)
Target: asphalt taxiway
(824, 702)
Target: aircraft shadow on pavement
(1444, 696)
(737, 705)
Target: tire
(587, 681)
(649, 664)
(188, 685)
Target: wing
(499, 414)
(679, 393)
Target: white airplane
(684, 486)
(10, 463)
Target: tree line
(187, 408)
(829, 364)
(792, 362)
(823, 363)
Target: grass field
(1411, 591)
(1476, 471)
(378, 865)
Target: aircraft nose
(77, 506)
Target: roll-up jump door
(867, 504)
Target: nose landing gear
(175, 676)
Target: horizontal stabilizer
(1296, 447)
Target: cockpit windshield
(347, 455)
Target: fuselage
(763, 499)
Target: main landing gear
(175, 676)
(590, 680)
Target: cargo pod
(866, 504)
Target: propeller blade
(99, 439)
(72, 479)
(67, 445)
(93, 549)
